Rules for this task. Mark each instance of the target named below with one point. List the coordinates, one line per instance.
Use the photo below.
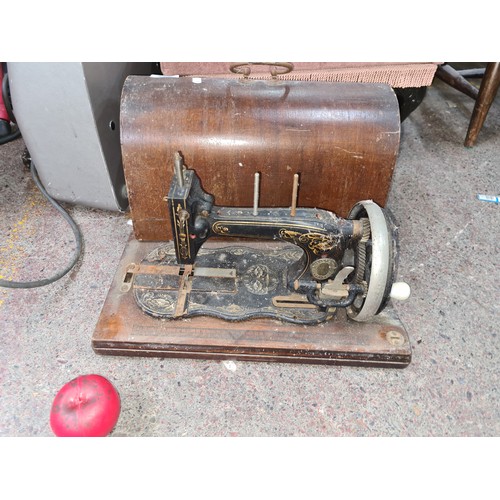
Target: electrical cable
(6, 97)
(8, 106)
(76, 232)
(10, 137)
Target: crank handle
(400, 291)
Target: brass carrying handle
(246, 68)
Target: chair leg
(454, 79)
(487, 92)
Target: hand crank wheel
(374, 261)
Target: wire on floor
(76, 232)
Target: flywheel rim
(381, 256)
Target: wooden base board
(124, 329)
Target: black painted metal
(319, 233)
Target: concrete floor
(449, 256)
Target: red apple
(87, 406)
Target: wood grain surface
(341, 138)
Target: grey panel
(68, 114)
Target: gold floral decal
(318, 243)
(218, 228)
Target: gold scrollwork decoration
(219, 228)
(181, 217)
(318, 243)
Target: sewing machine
(261, 279)
(325, 262)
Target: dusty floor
(449, 256)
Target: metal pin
(295, 191)
(256, 192)
(178, 169)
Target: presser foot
(233, 283)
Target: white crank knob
(400, 291)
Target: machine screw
(394, 337)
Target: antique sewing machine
(260, 279)
(323, 263)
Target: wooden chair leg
(487, 92)
(454, 79)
